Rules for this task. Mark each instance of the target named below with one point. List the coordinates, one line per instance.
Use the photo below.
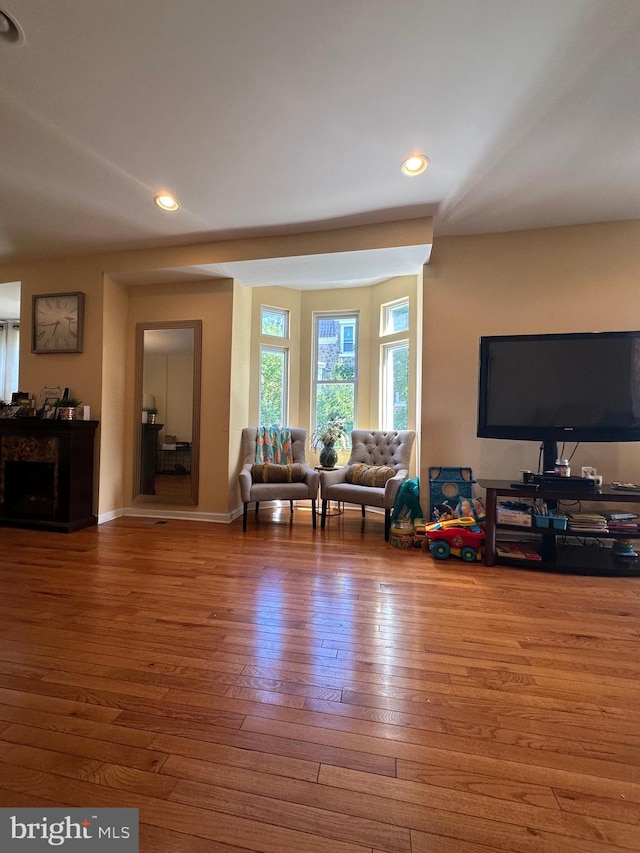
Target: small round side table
(338, 509)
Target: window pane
(336, 370)
(273, 384)
(348, 339)
(336, 348)
(274, 322)
(396, 387)
(9, 358)
(335, 400)
(396, 317)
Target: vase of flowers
(329, 438)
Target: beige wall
(238, 416)
(565, 279)
(582, 278)
(103, 377)
(111, 433)
(212, 302)
(169, 379)
(80, 372)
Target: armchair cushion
(269, 472)
(376, 476)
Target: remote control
(626, 487)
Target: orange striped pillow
(369, 475)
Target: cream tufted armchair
(392, 449)
(250, 491)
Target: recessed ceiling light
(166, 201)
(9, 29)
(415, 165)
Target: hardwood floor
(173, 486)
(285, 690)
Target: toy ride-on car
(462, 537)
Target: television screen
(560, 387)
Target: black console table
(575, 559)
(176, 461)
(46, 473)
(148, 448)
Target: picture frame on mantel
(57, 322)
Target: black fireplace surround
(46, 473)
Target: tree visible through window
(273, 385)
(395, 317)
(274, 322)
(335, 369)
(395, 385)
(274, 367)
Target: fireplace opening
(29, 489)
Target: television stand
(578, 559)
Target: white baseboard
(178, 514)
(110, 516)
(193, 515)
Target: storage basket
(551, 522)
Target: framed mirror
(167, 402)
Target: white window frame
(283, 312)
(387, 384)
(385, 311)
(339, 317)
(353, 327)
(284, 397)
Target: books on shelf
(623, 522)
(517, 551)
(588, 522)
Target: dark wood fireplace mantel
(46, 473)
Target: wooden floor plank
(612, 766)
(326, 822)
(283, 690)
(76, 767)
(420, 807)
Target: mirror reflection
(168, 393)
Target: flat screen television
(583, 386)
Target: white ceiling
(277, 116)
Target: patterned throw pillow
(268, 472)
(369, 475)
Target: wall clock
(57, 322)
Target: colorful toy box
(447, 486)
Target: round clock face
(56, 321)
